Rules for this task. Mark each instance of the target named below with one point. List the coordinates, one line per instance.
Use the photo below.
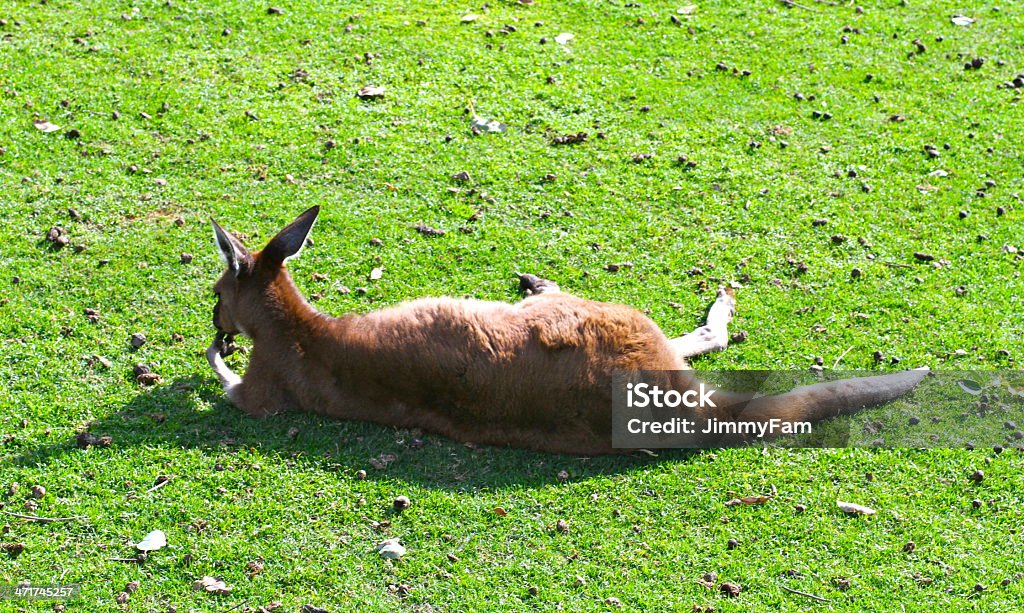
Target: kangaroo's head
(245, 290)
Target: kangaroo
(536, 374)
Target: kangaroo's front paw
(214, 350)
(228, 379)
(229, 346)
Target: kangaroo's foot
(531, 285)
(714, 334)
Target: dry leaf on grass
(370, 92)
(747, 500)
(211, 585)
(971, 387)
(390, 549)
(482, 124)
(854, 509)
(153, 541)
(45, 126)
(381, 462)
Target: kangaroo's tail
(813, 403)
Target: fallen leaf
(211, 585)
(971, 387)
(381, 462)
(390, 549)
(376, 274)
(748, 500)
(687, 10)
(938, 173)
(153, 541)
(370, 92)
(961, 20)
(564, 37)
(45, 126)
(98, 359)
(469, 18)
(854, 509)
(500, 512)
(481, 124)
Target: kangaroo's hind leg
(714, 334)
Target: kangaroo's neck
(287, 316)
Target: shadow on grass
(175, 415)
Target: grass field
(777, 149)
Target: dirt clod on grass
(401, 503)
(570, 139)
(730, 590)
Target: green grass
(642, 530)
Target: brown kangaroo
(535, 374)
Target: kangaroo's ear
(289, 241)
(234, 254)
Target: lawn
(854, 172)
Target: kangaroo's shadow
(192, 413)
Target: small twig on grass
(812, 596)
(158, 486)
(897, 265)
(236, 606)
(840, 358)
(44, 520)
(132, 560)
(790, 4)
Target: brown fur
(535, 374)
